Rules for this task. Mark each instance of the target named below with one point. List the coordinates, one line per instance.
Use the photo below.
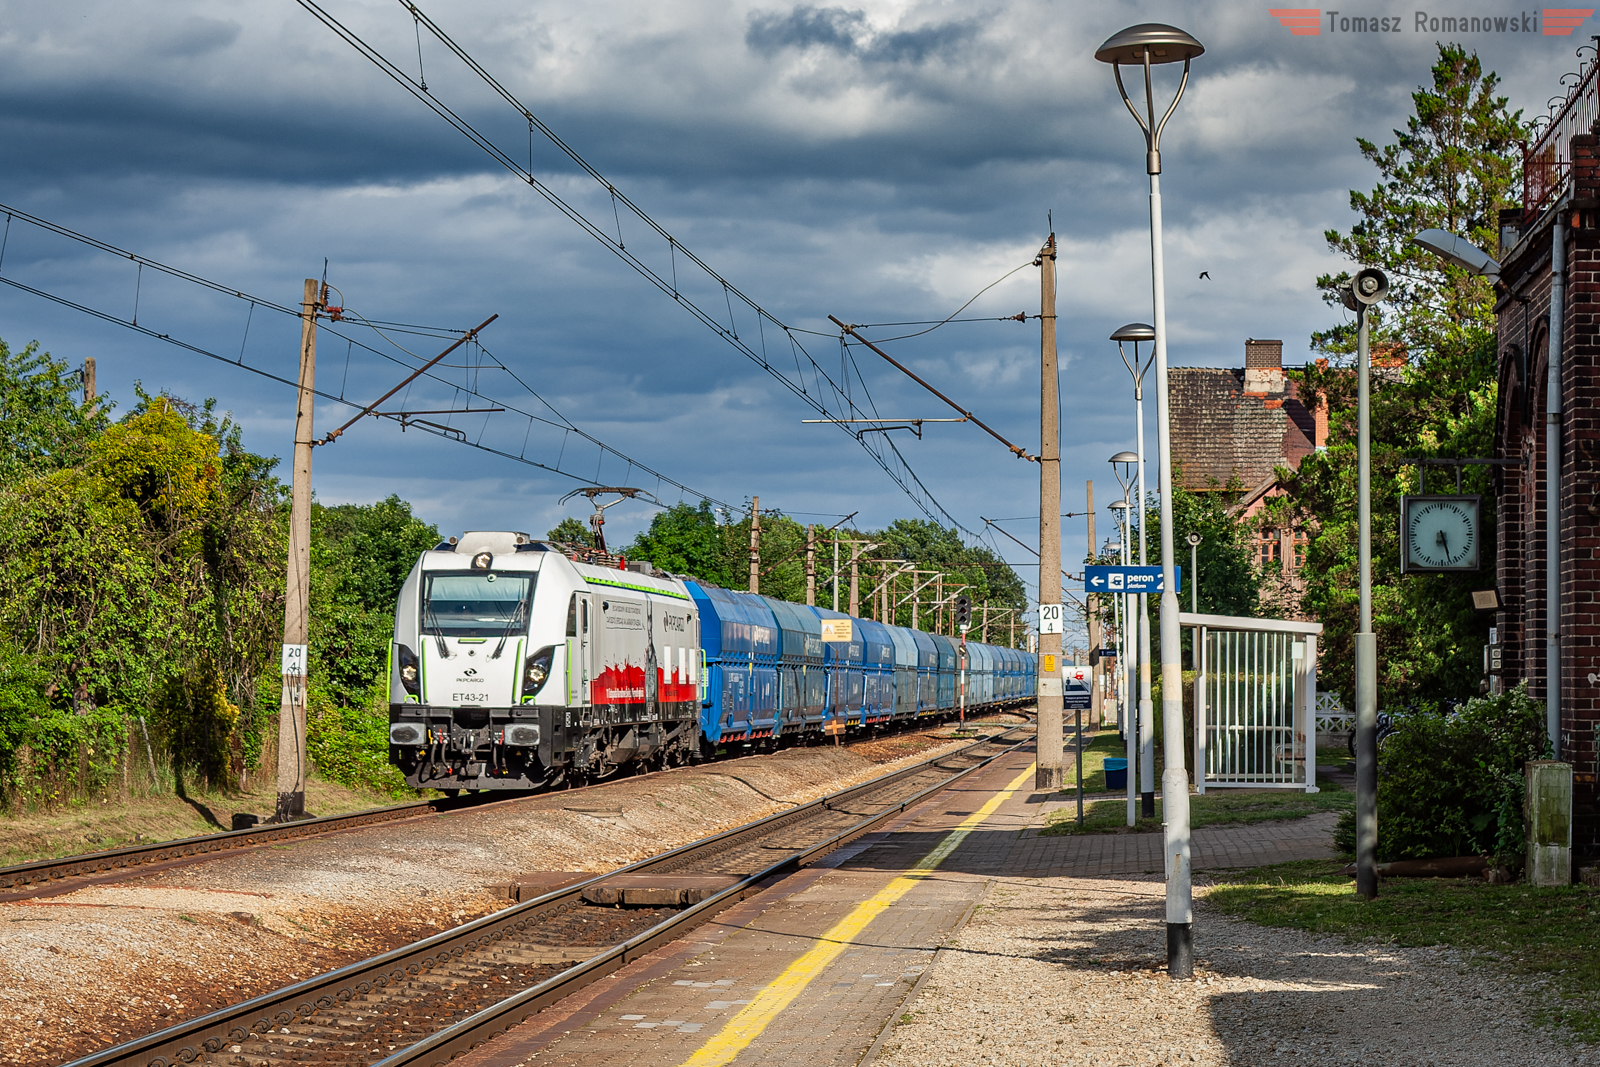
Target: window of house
(1270, 547)
(1302, 542)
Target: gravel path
(1069, 971)
(85, 970)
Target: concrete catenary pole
(1049, 773)
(88, 382)
(836, 571)
(755, 544)
(811, 565)
(297, 598)
(1096, 672)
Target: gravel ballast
(1071, 971)
(89, 969)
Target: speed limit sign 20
(1049, 618)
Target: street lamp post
(1130, 731)
(1366, 288)
(1146, 45)
(1135, 332)
(1194, 572)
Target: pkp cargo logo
(1549, 21)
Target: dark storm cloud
(877, 162)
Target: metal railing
(1547, 162)
(1255, 702)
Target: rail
(35, 878)
(191, 1040)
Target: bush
(350, 745)
(1451, 783)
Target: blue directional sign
(1126, 579)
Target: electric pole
(755, 544)
(297, 599)
(1094, 629)
(811, 565)
(88, 382)
(1048, 777)
(836, 571)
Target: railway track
(427, 1002)
(53, 876)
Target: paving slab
(813, 971)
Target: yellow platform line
(756, 1016)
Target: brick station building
(1561, 190)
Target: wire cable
(666, 282)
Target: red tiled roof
(1221, 434)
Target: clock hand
(1444, 544)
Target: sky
(881, 162)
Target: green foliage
(690, 539)
(1457, 163)
(570, 531)
(1454, 167)
(686, 539)
(360, 556)
(1451, 784)
(43, 424)
(142, 578)
(350, 745)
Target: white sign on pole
(294, 660)
(1049, 618)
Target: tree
(360, 557)
(570, 531)
(686, 539)
(43, 426)
(1454, 167)
(1456, 164)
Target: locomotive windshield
(476, 603)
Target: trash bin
(1116, 774)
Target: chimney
(1263, 367)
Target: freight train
(518, 665)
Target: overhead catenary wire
(883, 453)
(294, 312)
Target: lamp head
(1134, 331)
(1166, 44)
(1120, 505)
(1459, 251)
(1125, 457)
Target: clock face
(1440, 533)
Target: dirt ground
(85, 970)
(1060, 971)
(102, 823)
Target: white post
(1174, 780)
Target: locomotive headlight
(407, 733)
(482, 561)
(409, 671)
(536, 670)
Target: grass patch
(1518, 929)
(1223, 807)
(1099, 746)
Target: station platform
(814, 968)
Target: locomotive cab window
(476, 603)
